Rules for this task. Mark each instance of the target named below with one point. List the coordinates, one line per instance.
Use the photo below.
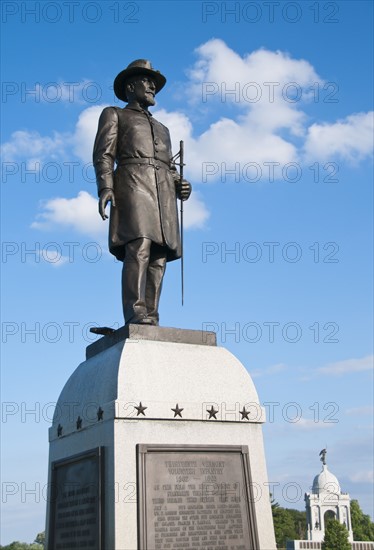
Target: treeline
(290, 524)
(38, 544)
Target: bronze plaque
(76, 502)
(192, 497)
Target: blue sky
(275, 108)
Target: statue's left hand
(106, 196)
(183, 190)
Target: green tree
(362, 526)
(38, 544)
(40, 539)
(336, 536)
(299, 520)
(16, 545)
(284, 527)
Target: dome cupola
(326, 482)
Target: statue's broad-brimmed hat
(139, 66)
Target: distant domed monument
(325, 481)
(324, 502)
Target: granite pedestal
(156, 443)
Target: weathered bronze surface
(134, 171)
(195, 497)
(76, 503)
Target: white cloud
(34, 147)
(227, 142)
(269, 371)
(273, 129)
(360, 411)
(270, 130)
(269, 87)
(350, 139)
(195, 212)
(179, 125)
(307, 424)
(259, 77)
(263, 82)
(79, 213)
(85, 132)
(54, 259)
(348, 366)
(226, 145)
(362, 477)
(252, 136)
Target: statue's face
(144, 90)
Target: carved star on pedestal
(177, 411)
(100, 413)
(212, 412)
(244, 414)
(79, 423)
(140, 409)
(59, 430)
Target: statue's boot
(155, 275)
(134, 275)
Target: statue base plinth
(158, 424)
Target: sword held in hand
(180, 156)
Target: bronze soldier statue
(134, 171)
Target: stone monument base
(156, 443)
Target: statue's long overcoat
(143, 180)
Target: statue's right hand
(106, 196)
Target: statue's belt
(145, 160)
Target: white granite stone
(159, 375)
